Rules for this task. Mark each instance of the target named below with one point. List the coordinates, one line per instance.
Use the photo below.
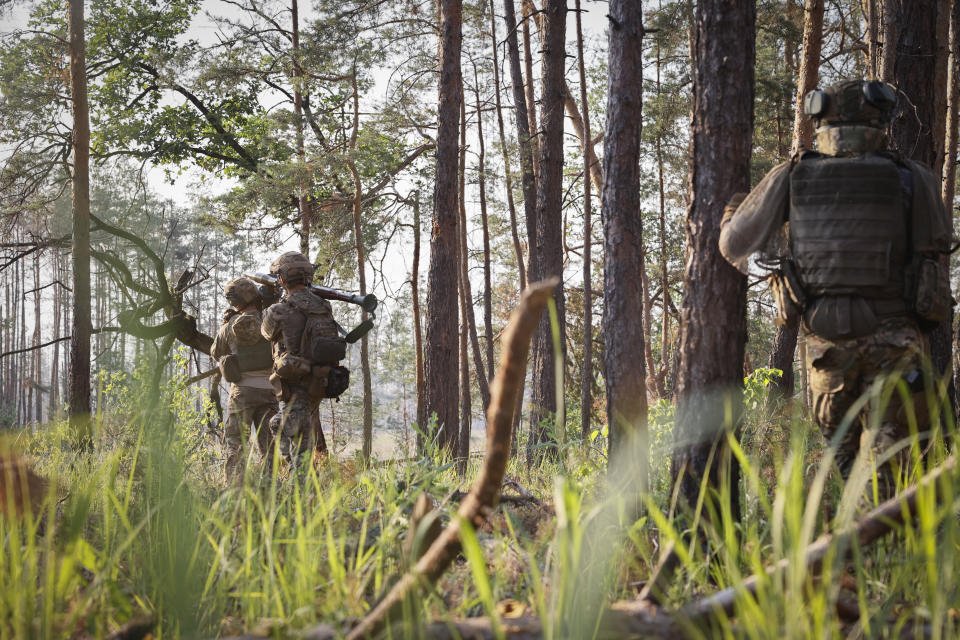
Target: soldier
(854, 234)
(306, 348)
(245, 361)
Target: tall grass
(146, 524)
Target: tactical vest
(252, 350)
(848, 228)
(309, 330)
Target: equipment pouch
(788, 312)
(931, 296)
(325, 350)
(337, 381)
(255, 357)
(317, 385)
(291, 367)
(230, 368)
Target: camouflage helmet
(293, 267)
(851, 102)
(241, 291)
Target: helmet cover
(241, 291)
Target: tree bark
(919, 73)
(888, 51)
(713, 311)
(79, 397)
(528, 11)
(362, 277)
(953, 100)
(624, 371)
(487, 286)
(586, 384)
(662, 228)
(809, 71)
(511, 205)
(785, 340)
(549, 244)
(440, 359)
(303, 202)
(417, 330)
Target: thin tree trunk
(888, 51)
(713, 321)
(662, 229)
(624, 372)
(303, 203)
(647, 319)
(528, 11)
(809, 71)
(953, 103)
(873, 37)
(919, 125)
(546, 404)
(54, 398)
(586, 384)
(511, 206)
(440, 358)
(785, 340)
(362, 276)
(80, 337)
(466, 302)
(417, 330)
(487, 286)
(37, 341)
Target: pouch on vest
(788, 312)
(931, 294)
(324, 350)
(255, 357)
(291, 367)
(337, 381)
(230, 368)
(317, 384)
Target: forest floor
(145, 527)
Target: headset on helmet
(852, 102)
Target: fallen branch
(202, 376)
(483, 496)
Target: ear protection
(877, 94)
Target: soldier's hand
(269, 295)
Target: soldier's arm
(220, 348)
(756, 219)
(270, 327)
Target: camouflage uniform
(848, 230)
(283, 325)
(252, 400)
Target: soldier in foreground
(854, 235)
(245, 360)
(306, 350)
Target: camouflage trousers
(841, 371)
(247, 406)
(295, 425)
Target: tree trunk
(528, 11)
(37, 381)
(54, 399)
(417, 330)
(713, 311)
(919, 73)
(549, 232)
(785, 340)
(511, 206)
(624, 372)
(586, 384)
(662, 228)
(888, 48)
(953, 100)
(303, 203)
(809, 71)
(440, 361)
(362, 276)
(487, 286)
(79, 397)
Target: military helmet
(852, 102)
(294, 267)
(241, 291)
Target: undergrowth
(145, 524)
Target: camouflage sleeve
(220, 348)
(757, 218)
(932, 228)
(270, 327)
